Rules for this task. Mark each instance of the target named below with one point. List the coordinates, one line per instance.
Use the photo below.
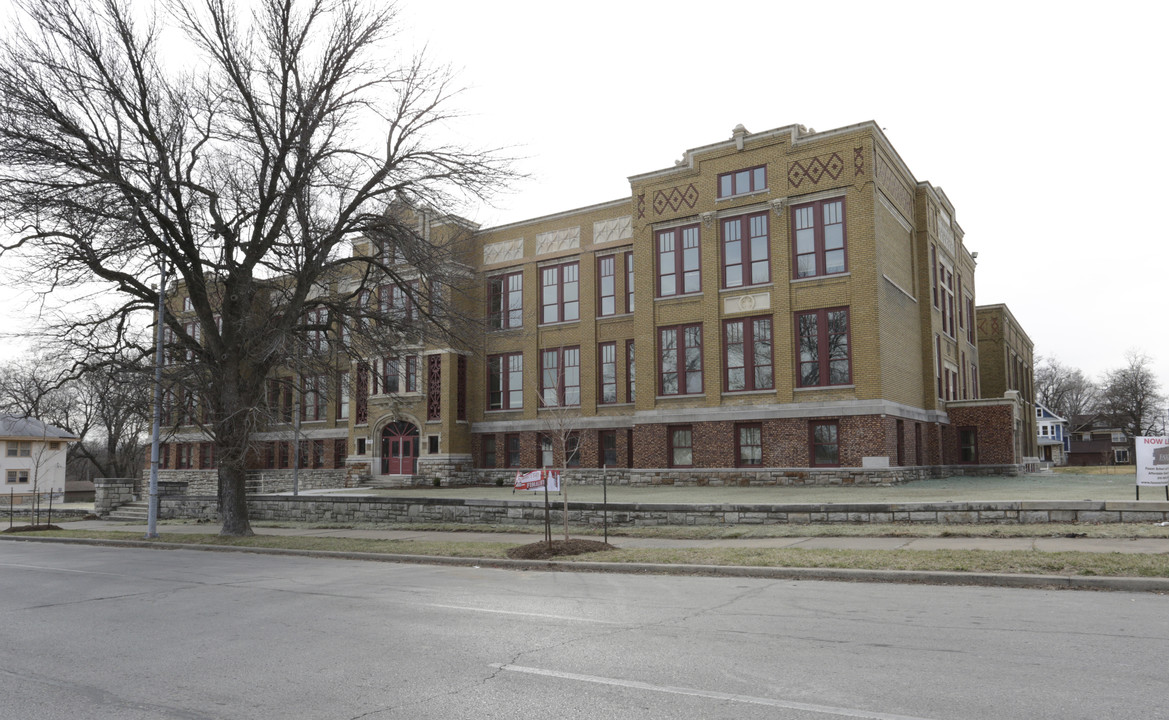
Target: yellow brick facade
(907, 286)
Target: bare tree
(229, 149)
(1065, 390)
(1131, 396)
(559, 410)
(107, 408)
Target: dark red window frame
(819, 236)
(607, 373)
(488, 451)
(500, 313)
(684, 278)
(742, 182)
(561, 304)
(629, 281)
(606, 285)
(504, 381)
(750, 357)
(672, 447)
(512, 456)
(816, 441)
(680, 349)
(564, 379)
(754, 251)
(630, 372)
(603, 437)
(967, 452)
(823, 347)
(739, 445)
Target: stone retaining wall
(531, 512)
(741, 477)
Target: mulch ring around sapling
(544, 551)
(29, 528)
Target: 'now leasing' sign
(1153, 461)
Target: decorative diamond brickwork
(814, 169)
(674, 198)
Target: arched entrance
(399, 448)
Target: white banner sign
(534, 480)
(1153, 461)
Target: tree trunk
(232, 438)
(233, 499)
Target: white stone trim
(558, 240)
(751, 302)
(505, 251)
(613, 229)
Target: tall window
(681, 446)
(748, 364)
(934, 273)
(547, 451)
(343, 396)
(511, 443)
(391, 373)
(629, 281)
(825, 358)
(395, 302)
(630, 373)
(969, 319)
(742, 182)
(607, 442)
(749, 444)
(607, 357)
(411, 362)
(818, 229)
(488, 451)
(680, 360)
(506, 300)
(316, 340)
(825, 443)
(678, 261)
(505, 377)
(560, 376)
(607, 285)
(561, 293)
(315, 397)
(946, 290)
(746, 251)
(968, 445)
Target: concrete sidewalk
(1041, 544)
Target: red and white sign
(1152, 461)
(535, 480)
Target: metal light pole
(152, 512)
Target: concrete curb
(920, 577)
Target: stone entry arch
(399, 448)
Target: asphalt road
(96, 633)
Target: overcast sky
(1041, 121)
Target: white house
(1054, 442)
(32, 458)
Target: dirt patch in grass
(29, 528)
(544, 550)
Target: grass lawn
(1024, 562)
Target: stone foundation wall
(531, 512)
(739, 477)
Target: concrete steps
(136, 512)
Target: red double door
(399, 448)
